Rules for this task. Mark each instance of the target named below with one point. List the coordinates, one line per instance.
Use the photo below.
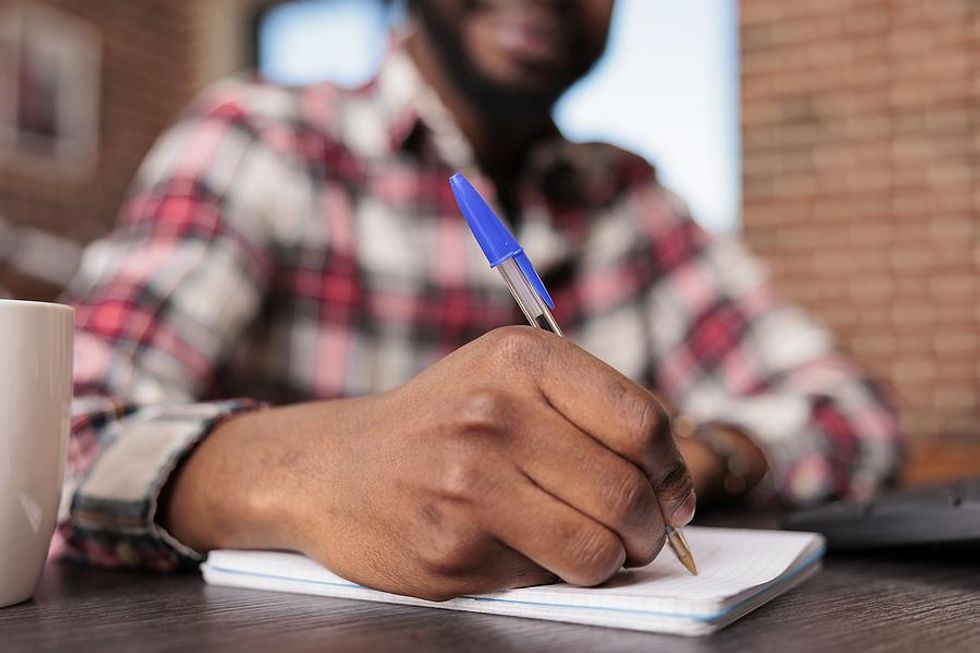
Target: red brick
(879, 104)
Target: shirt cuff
(113, 510)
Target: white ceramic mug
(35, 405)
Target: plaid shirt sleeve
(159, 302)
(726, 349)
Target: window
(667, 87)
(304, 41)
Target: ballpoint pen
(508, 257)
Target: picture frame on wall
(50, 83)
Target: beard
(495, 98)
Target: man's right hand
(517, 459)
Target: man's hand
(714, 480)
(514, 460)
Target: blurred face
(515, 54)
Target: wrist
(219, 497)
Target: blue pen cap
(497, 243)
(495, 240)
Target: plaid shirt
(288, 244)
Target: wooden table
(889, 604)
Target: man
(300, 248)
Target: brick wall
(147, 77)
(861, 137)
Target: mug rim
(28, 303)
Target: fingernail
(622, 560)
(684, 513)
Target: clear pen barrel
(533, 307)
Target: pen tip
(681, 549)
(688, 563)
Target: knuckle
(483, 410)
(520, 344)
(597, 556)
(461, 477)
(651, 426)
(513, 338)
(632, 499)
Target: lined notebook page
(729, 562)
(732, 563)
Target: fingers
(507, 569)
(520, 571)
(554, 535)
(502, 568)
(573, 467)
(615, 411)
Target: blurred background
(839, 138)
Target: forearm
(245, 486)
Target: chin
(516, 78)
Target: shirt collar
(407, 103)
(558, 172)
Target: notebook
(740, 570)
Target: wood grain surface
(921, 602)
